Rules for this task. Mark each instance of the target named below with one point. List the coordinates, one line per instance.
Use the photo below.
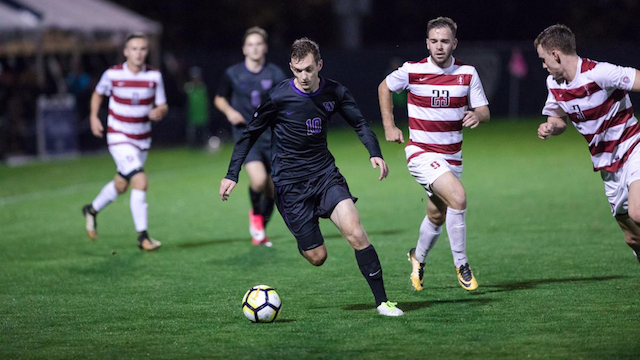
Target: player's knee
(357, 237)
(121, 186)
(259, 183)
(634, 214)
(139, 181)
(316, 258)
(458, 201)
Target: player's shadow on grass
(530, 284)
(370, 233)
(408, 306)
(212, 242)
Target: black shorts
(261, 150)
(301, 204)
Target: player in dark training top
(242, 89)
(308, 184)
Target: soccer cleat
(637, 255)
(466, 278)
(148, 244)
(256, 226)
(91, 225)
(389, 308)
(417, 273)
(264, 242)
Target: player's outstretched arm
(158, 112)
(96, 125)
(384, 169)
(553, 126)
(391, 131)
(226, 186)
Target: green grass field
(556, 278)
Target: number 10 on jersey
(314, 126)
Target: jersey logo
(329, 105)
(460, 79)
(266, 84)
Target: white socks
(429, 233)
(457, 231)
(105, 197)
(139, 209)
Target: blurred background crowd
(53, 52)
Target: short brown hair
(557, 37)
(255, 30)
(440, 22)
(303, 47)
(134, 35)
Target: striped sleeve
(104, 85)
(477, 96)
(161, 98)
(607, 75)
(398, 80)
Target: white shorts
(128, 158)
(616, 185)
(427, 167)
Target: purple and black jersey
(299, 123)
(246, 90)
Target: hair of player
(255, 30)
(135, 35)
(557, 37)
(303, 47)
(440, 22)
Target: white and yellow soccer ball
(261, 304)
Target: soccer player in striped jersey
(136, 97)
(445, 96)
(308, 184)
(243, 87)
(593, 95)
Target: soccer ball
(261, 304)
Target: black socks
(371, 269)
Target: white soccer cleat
(637, 256)
(149, 244)
(389, 308)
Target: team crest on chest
(460, 79)
(329, 105)
(266, 84)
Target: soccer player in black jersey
(242, 89)
(308, 184)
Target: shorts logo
(435, 164)
(626, 80)
(329, 105)
(266, 84)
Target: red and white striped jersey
(131, 98)
(597, 103)
(436, 104)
